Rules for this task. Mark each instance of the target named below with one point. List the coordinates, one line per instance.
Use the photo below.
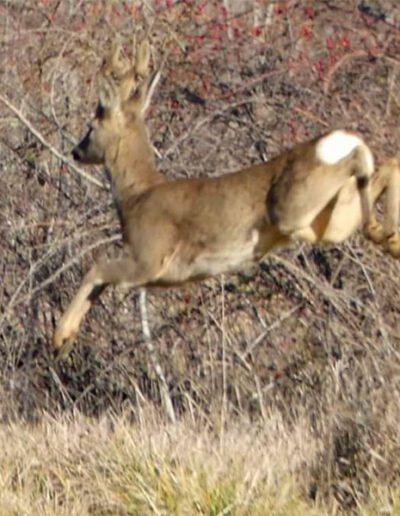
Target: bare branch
(48, 145)
(14, 301)
(169, 408)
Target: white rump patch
(337, 145)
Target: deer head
(125, 92)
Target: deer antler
(122, 74)
(115, 65)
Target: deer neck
(131, 166)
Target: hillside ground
(284, 379)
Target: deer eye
(100, 111)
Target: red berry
(257, 31)
(345, 42)
(330, 43)
(309, 12)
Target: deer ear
(143, 59)
(107, 93)
(140, 98)
(146, 91)
(115, 55)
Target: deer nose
(76, 154)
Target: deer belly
(227, 258)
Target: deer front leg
(102, 274)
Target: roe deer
(189, 229)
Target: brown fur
(189, 229)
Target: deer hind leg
(339, 156)
(362, 169)
(343, 216)
(371, 227)
(386, 180)
(392, 208)
(102, 274)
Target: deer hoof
(63, 340)
(393, 245)
(375, 232)
(65, 350)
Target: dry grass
(284, 379)
(74, 465)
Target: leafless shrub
(312, 335)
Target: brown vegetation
(309, 339)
